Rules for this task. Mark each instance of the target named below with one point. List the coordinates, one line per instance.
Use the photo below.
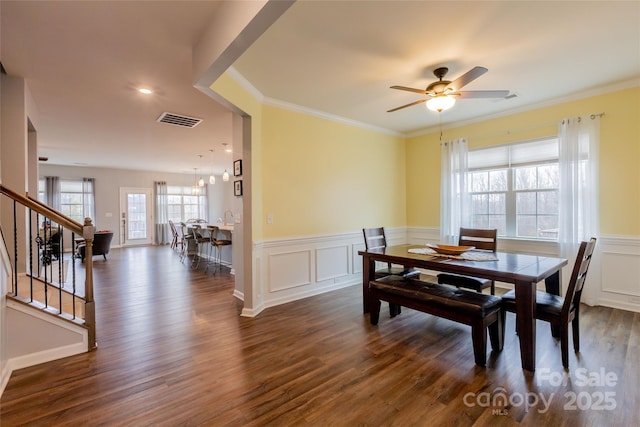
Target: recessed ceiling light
(145, 91)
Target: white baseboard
(46, 356)
(4, 380)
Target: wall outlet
(269, 219)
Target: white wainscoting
(619, 272)
(294, 268)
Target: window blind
(504, 156)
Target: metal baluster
(60, 265)
(46, 256)
(31, 240)
(15, 248)
(73, 274)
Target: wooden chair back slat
(578, 276)
(482, 239)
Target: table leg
(368, 272)
(525, 317)
(552, 285)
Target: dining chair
(174, 235)
(481, 239)
(217, 244)
(375, 238)
(559, 311)
(185, 236)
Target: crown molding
(323, 115)
(246, 84)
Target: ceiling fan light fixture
(440, 103)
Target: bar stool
(217, 243)
(200, 240)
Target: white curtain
(88, 198)
(203, 203)
(454, 198)
(578, 139)
(162, 214)
(52, 192)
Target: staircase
(48, 309)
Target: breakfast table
(524, 271)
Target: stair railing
(36, 247)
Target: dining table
(524, 271)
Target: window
(514, 188)
(76, 199)
(41, 191)
(182, 205)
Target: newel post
(88, 231)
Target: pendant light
(212, 179)
(195, 189)
(225, 174)
(201, 180)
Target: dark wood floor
(173, 350)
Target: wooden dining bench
(480, 311)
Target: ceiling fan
(442, 94)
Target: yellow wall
(321, 176)
(619, 156)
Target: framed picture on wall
(237, 188)
(237, 168)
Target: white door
(136, 216)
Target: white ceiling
(83, 60)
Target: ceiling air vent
(179, 120)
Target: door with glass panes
(136, 216)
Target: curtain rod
(510, 131)
(591, 116)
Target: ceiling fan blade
(408, 105)
(482, 94)
(465, 79)
(410, 89)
